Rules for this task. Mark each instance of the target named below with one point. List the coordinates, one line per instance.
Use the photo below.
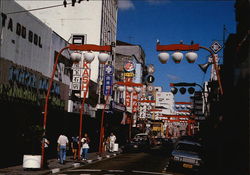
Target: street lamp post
(120, 85)
(76, 57)
(191, 56)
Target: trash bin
(116, 146)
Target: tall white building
(95, 21)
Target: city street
(91, 87)
(151, 162)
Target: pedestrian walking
(45, 141)
(85, 146)
(112, 139)
(62, 147)
(107, 144)
(74, 146)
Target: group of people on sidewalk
(65, 144)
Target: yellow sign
(129, 74)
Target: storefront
(28, 49)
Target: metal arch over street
(193, 47)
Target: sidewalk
(55, 166)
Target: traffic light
(182, 90)
(191, 90)
(174, 90)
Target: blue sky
(144, 21)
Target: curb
(76, 165)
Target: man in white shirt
(112, 139)
(62, 145)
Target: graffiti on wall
(25, 85)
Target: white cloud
(125, 5)
(173, 77)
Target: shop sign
(85, 79)
(17, 93)
(129, 66)
(108, 79)
(135, 102)
(76, 79)
(20, 30)
(128, 99)
(118, 106)
(23, 77)
(129, 74)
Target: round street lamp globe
(137, 89)
(121, 88)
(177, 57)
(89, 56)
(103, 57)
(191, 57)
(76, 56)
(129, 89)
(163, 57)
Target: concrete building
(233, 121)
(28, 48)
(123, 103)
(95, 22)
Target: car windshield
(188, 148)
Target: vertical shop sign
(76, 79)
(85, 79)
(108, 79)
(134, 101)
(128, 94)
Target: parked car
(186, 154)
(141, 142)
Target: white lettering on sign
(85, 79)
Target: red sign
(129, 66)
(128, 94)
(134, 102)
(85, 79)
(128, 99)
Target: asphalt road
(151, 162)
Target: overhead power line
(41, 8)
(48, 7)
